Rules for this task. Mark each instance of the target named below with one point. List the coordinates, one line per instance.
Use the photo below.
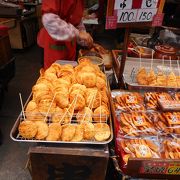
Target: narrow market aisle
(13, 155)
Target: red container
(4, 31)
(165, 52)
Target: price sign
(131, 11)
(149, 4)
(136, 11)
(125, 16)
(145, 15)
(123, 4)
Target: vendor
(62, 29)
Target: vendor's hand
(86, 37)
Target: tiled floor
(13, 155)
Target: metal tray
(14, 134)
(132, 66)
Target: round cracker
(55, 130)
(88, 130)
(68, 132)
(42, 131)
(78, 136)
(102, 131)
(27, 129)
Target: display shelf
(141, 167)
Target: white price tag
(149, 4)
(123, 4)
(145, 15)
(125, 16)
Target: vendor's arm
(57, 28)
(60, 30)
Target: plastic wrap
(151, 99)
(137, 124)
(170, 147)
(168, 122)
(128, 101)
(177, 96)
(148, 147)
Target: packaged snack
(129, 101)
(168, 122)
(171, 148)
(177, 96)
(137, 123)
(148, 147)
(151, 99)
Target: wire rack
(72, 119)
(17, 137)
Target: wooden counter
(69, 162)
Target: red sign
(111, 22)
(152, 167)
(158, 19)
(135, 11)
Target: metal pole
(123, 59)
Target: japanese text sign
(135, 11)
(153, 167)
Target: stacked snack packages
(142, 129)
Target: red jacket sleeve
(52, 6)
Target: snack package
(148, 147)
(177, 96)
(151, 99)
(171, 147)
(137, 123)
(129, 101)
(168, 122)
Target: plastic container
(95, 60)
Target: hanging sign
(158, 19)
(130, 11)
(133, 11)
(111, 22)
